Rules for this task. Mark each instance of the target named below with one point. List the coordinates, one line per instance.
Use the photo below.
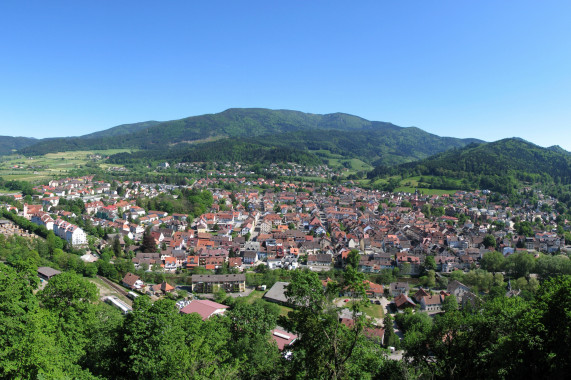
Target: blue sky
(484, 69)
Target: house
(30, 210)
(397, 288)
(234, 262)
(403, 301)
(374, 290)
(205, 308)
(457, 289)
(210, 283)
(132, 281)
(319, 260)
(283, 338)
(162, 288)
(250, 257)
(170, 263)
(419, 294)
(432, 302)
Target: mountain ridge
(341, 133)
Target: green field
(17, 167)
(258, 294)
(336, 161)
(409, 185)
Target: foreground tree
(326, 348)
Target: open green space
(18, 167)
(258, 294)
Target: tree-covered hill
(9, 144)
(226, 150)
(501, 166)
(344, 134)
(121, 130)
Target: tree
(391, 339)
(430, 263)
(450, 303)
(250, 327)
(326, 346)
(492, 261)
(68, 294)
(220, 295)
(426, 209)
(353, 259)
(148, 245)
(116, 246)
(519, 264)
(153, 325)
(489, 241)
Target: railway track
(116, 287)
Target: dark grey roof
(277, 292)
(48, 272)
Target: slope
(8, 144)
(121, 130)
(340, 133)
(502, 166)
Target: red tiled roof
(203, 307)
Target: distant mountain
(558, 149)
(501, 166)
(8, 144)
(121, 130)
(338, 133)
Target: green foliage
(450, 304)
(501, 166)
(519, 264)
(507, 338)
(493, 261)
(261, 136)
(64, 332)
(250, 327)
(489, 241)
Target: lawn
(258, 294)
(425, 191)
(372, 310)
(375, 311)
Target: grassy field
(16, 167)
(424, 191)
(258, 294)
(409, 185)
(372, 310)
(336, 161)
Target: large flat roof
(277, 292)
(218, 277)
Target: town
(418, 254)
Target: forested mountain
(8, 143)
(121, 130)
(226, 150)
(339, 133)
(501, 166)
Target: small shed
(47, 273)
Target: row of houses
(65, 230)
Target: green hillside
(121, 130)
(502, 166)
(8, 144)
(227, 150)
(338, 133)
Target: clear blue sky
(484, 69)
